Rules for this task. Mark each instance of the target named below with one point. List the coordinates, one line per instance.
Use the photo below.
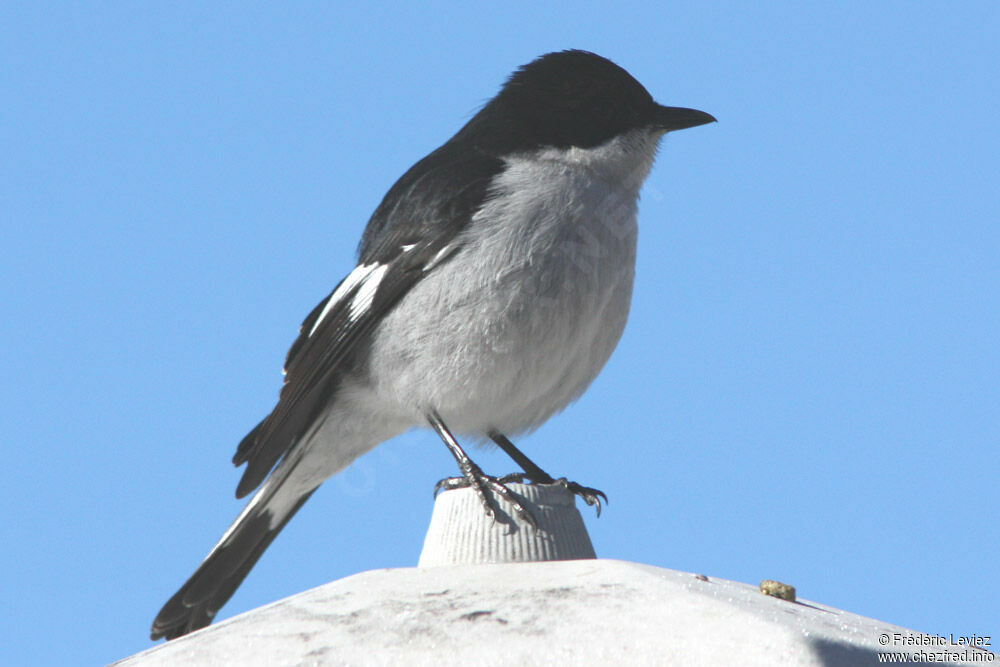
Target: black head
(570, 98)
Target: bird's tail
(229, 561)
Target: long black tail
(217, 578)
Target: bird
(492, 284)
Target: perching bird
(493, 283)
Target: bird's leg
(472, 475)
(539, 476)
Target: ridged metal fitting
(461, 533)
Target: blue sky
(807, 389)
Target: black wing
(413, 229)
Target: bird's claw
(590, 496)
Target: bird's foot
(483, 485)
(538, 476)
(590, 496)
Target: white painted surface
(592, 612)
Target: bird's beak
(679, 118)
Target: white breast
(521, 320)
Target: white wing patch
(366, 293)
(360, 275)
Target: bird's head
(572, 99)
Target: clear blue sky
(807, 389)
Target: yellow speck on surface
(778, 590)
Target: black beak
(679, 118)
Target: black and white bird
(493, 283)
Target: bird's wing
(413, 230)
